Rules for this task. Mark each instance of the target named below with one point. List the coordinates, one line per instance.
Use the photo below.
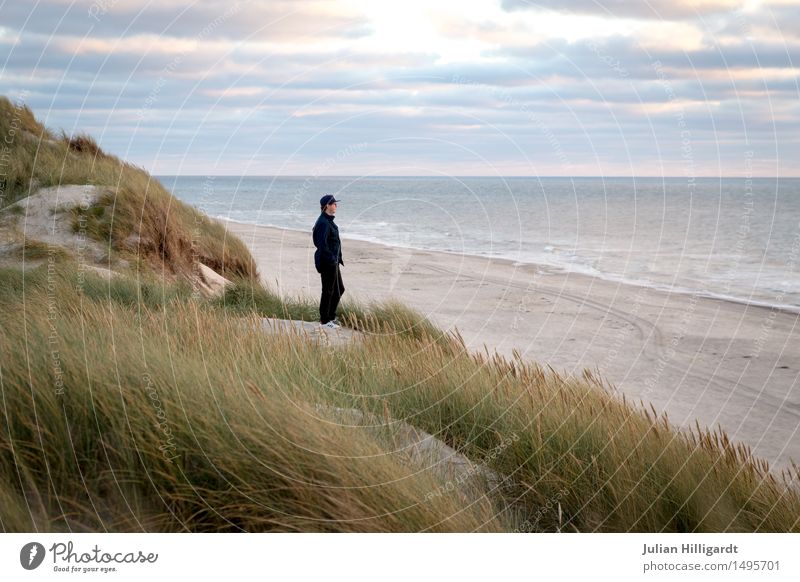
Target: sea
(730, 238)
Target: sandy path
(716, 361)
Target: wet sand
(697, 358)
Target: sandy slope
(44, 217)
(719, 362)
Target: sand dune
(697, 358)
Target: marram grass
(135, 215)
(133, 406)
(123, 419)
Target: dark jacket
(326, 239)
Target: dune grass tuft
(141, 220)
(173, 416)
(131, 428)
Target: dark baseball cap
(327, 199)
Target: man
(327, 259)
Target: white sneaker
(330, 325)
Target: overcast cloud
(457, 88)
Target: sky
(416, 87)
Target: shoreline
(723, 363)
(610, 278)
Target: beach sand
(718, 362)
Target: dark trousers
(332, 289)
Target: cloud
(240, 20)
(277, 86)
(659, 10)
